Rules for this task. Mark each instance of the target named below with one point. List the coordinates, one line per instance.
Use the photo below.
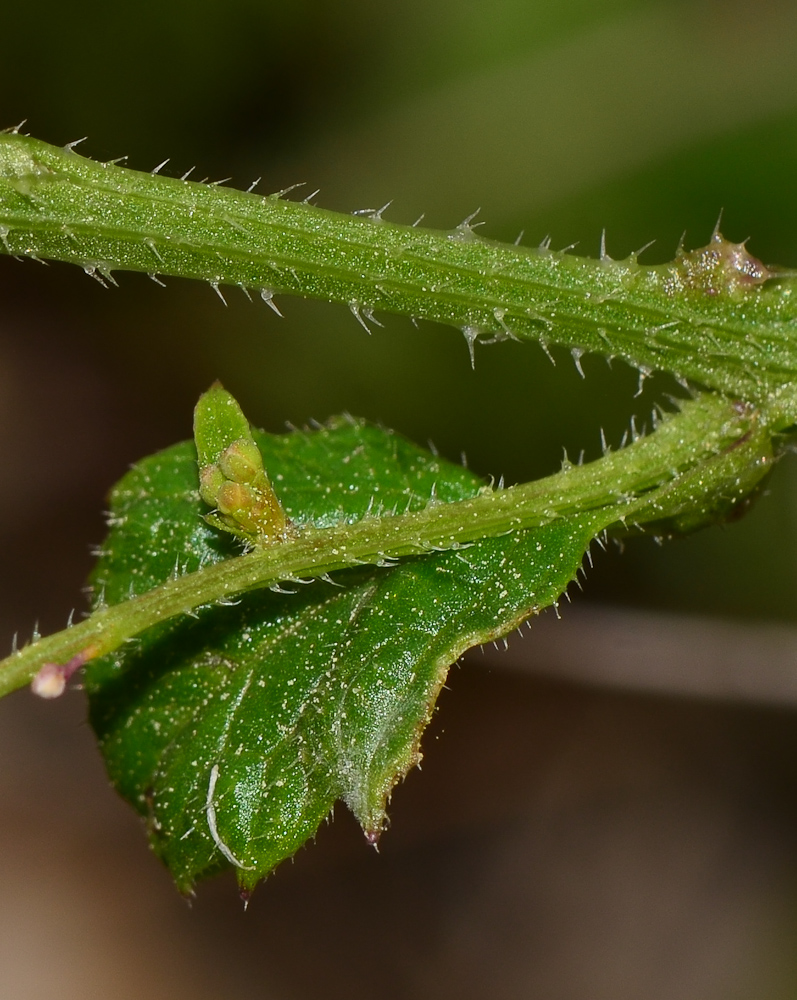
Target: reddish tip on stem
(51, 680)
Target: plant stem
(700, 461)
(715, 316)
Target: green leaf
(234, 732)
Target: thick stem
(715, 316)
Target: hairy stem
(716, 316)
(698, 463)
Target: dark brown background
(606, 810)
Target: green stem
(715, 316)
(708, 456)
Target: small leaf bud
(211, 480)
(236, 500)
(241, 461)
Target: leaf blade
(234, 733)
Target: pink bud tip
(50, 681)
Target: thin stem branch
(704, 458)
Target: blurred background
(607, 810)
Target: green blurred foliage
(557, 118)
